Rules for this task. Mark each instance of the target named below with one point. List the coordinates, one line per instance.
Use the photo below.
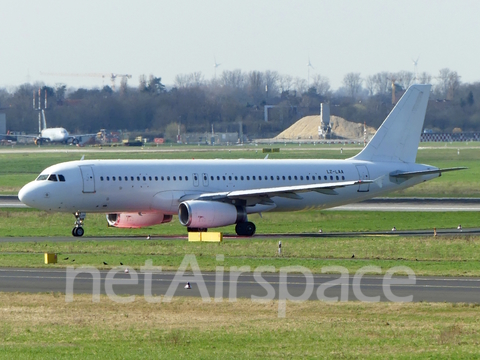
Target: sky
(167, 38)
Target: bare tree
(194, 79)
(370, 84)
(353, 84)
(383, 82)
(424, 78)
(300, 85)
(255, 80)
(286, 82)
(142, 86)
(321, 84)
(405, 78)
(449, 82)
(271, 81)
(234, 79)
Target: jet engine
(137, 220)
(206, 214)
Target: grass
(33, 223)
(44, 326)
(427, 255)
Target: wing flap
(290, 192)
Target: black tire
(245, 229)
(78, 231)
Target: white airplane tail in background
(398, 137)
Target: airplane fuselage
(114, 186)
(55, 135)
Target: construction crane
(111, 76)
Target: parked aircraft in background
(213, 193)
(52, 135)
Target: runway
(245, 285)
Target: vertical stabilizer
(44, 121)
(398, 137)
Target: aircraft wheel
(78, 231)
(245, 229)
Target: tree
(321, 84)
(424, 78)
(353, 84)
(155, 85)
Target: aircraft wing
(24, 136)
(281, 191)
(410, 174)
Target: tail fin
(44, 121)
(397, 139)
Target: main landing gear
(78, 229)
(245, 228)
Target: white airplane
(52, 135)
(212, 193)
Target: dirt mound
(307, 128)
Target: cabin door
(363, 175)
(88, 179)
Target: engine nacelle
(137, 220)
(207, 214)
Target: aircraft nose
(27, 195)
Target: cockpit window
(52, 177)
(61, 177)
(42, 177)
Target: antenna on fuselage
(83, 157)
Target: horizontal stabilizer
(410, 174)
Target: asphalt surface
(235, 285)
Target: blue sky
(166, 38)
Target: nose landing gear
(79, 219)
